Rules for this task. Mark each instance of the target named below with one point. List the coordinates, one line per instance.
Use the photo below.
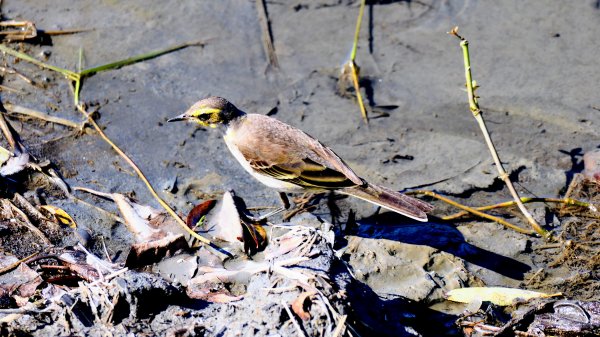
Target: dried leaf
(22, 281)
(300, 305)
(497, 295)
(211, 292)
(146, 253)
(286, 244)
(4, 155)
(14, 164)
(591, 164)
(60, 216)
(197, 216)
(255, 237)
(218, 218)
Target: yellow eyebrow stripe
(208, 110)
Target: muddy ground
(536, 63)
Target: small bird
(289, 160)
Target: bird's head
(210, 111)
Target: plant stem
(357, 30)
(474, 107)
(67, 73)
(566, 201)
(474, 211)
(141, 175)
(354, 70)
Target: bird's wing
(283, 152)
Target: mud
(535, 63)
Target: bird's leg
(285, 206)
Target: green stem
(474, 107)
(69, 74)
(357, 31)
(135, 59)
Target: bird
(287, 159)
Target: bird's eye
(204, 117)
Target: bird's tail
(392, 200)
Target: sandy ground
(535, 63)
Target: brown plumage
(286, 158)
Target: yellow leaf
(497, 295)
(4, 155)
(60, 216)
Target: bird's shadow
(372, 315)
(440, 236)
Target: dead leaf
(497, 295)
(301, 305)
(21, 282)
(197, 216)
(222, 220)
(286, 243)
(211, 292)
(146, 253)
(255, 237)
(14, 164)
(591, 164)
(60, 216)
(138, 218)
(4, 155)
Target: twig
(25, 222)
(24, 311)
(341, 325)
(534, 276)
(64, 31)
(473, 211)
(477, 113)
(102, 210)
(6, 130)
(17, 109)
(4, 87)
(357, 30)
(17, 263)
(293, 319)
(14, 72)
(566, 201)
(143, 178)
(267, 36)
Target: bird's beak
(181, 117)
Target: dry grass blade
(565, 201)
(341, 326)
(477, 113)
(6, 130)
(17, 263)
(296, 325)
(473, 211)
(353, 68)
(267, 35)
(17, 109)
